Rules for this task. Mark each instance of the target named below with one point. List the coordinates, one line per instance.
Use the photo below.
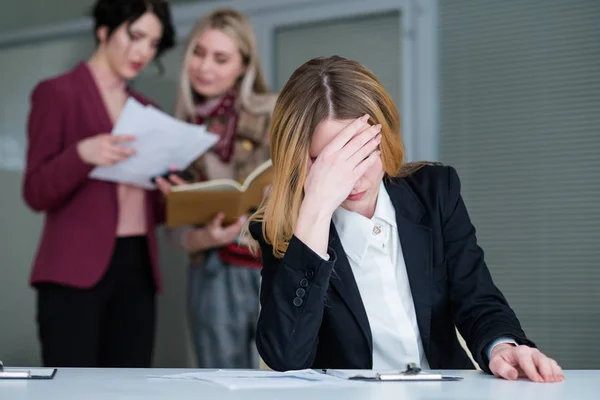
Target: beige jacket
(251, 142)
(251, 148)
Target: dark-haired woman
(96, 271)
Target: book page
(225, 184)
(256, 173)
(214, 185)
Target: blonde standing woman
(222, 86)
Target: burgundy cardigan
(80, 224)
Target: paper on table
(348, 373)
(242, 379)
(161, 142)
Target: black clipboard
(411, 374)
(404, 377)
(27, 373)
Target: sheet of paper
(348, 373)
(242, 379)
(161, 142)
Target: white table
(121, 384)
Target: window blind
(519, 119)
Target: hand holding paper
(105, 149)
(161, 142)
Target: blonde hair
(252, 85)
(322, 88)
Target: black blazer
(312, 315)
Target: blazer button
(300, 292)
(298, 301)
(310, 273)
(303, 282)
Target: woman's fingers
(362, 168)
(365, 151)
(346, 135)
(359, 141)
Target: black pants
(109, 325)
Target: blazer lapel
(342, 280)
(416, 243)
(92, 100)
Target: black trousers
(110, 325)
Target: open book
(198, 203)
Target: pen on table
(412, 369)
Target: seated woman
(370, 262)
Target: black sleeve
(481, 312)
(292, 299)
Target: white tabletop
(120, 384)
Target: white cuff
(496, 342)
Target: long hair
(322, 88)
(251, 86)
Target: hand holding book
(199, 203)
(213, 235)
(172, 178)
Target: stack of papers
(242, 379)
(161, 142)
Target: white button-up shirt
(375, 256)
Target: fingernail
(365, 117)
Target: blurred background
(506, 91)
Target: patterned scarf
(220, 118)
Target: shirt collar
(384, 210)
(355, 231)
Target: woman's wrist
(196, 240)
(315, 207)
(312, 226)
(313, 214)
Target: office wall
(382, 56)
(520, 102)
(31, 13)
(21, 68)
(22, 14)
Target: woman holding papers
(222, 86)
(96, 270)
(370, 262)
